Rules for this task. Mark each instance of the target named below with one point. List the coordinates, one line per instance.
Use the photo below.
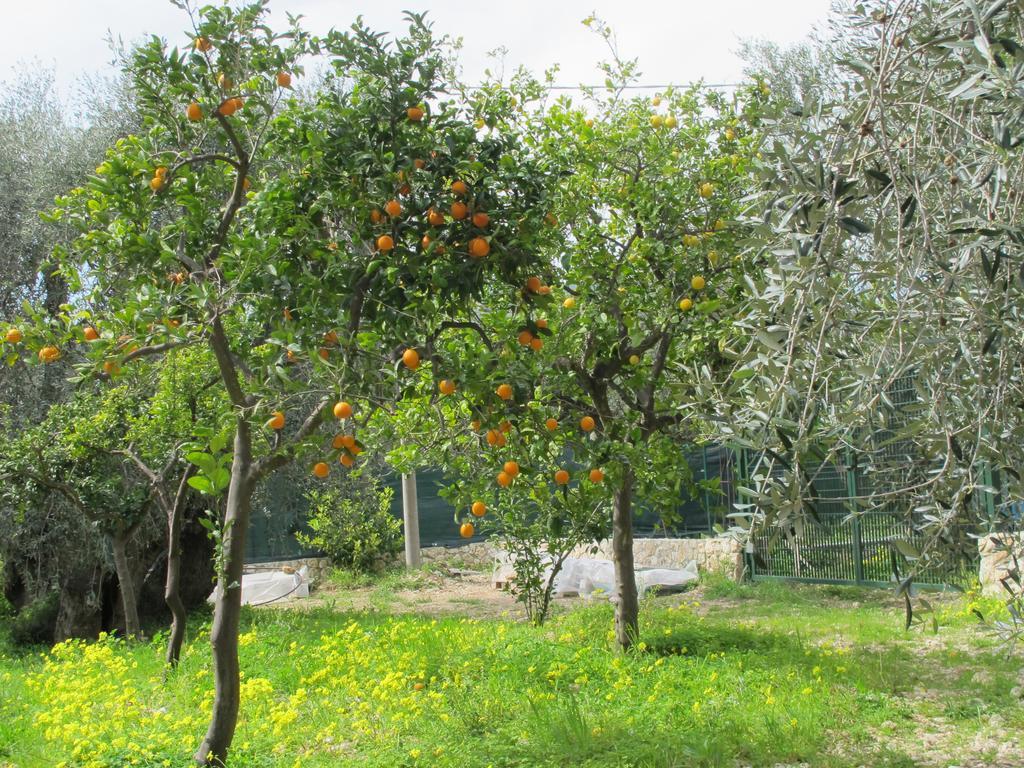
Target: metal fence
(843, 545)
(280, 509)
(848, 543)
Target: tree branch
(469, 325)
(226, 363)
(153, 349)
(203, 158)
(282, 455)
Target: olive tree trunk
(172, 586)
(126, 583)
(228, 603)
(627, 607)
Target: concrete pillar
(411, 518)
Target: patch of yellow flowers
(405, 687)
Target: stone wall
(475, 555)
(316, 567)
(996, 561)
(713, 555)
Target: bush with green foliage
(353, 525)
(33, 624)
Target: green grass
(727, 675)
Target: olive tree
(890, 331)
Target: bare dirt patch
(462, 593)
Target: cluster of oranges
(510, 469)
(479, 244)
(344, 442)
(159, 179)
(47, 354)
(697, 283)
(658, 121)
(229, 106)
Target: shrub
(353, 525)
(33, 624)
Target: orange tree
(312, 245)
(507, 461)
(631, 311)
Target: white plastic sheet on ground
(272, 586)
(591, 577)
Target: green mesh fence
(280, 509)
(847, 542)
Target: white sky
(676, 41)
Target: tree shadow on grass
(701, 638)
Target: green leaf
(201, 484)
(906, 549)
(854, 226)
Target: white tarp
(586, 576)
(272, 586)
(592, 577)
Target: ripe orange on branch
(562, 477)
(479, 247)
(525, 337)
(435, 218)
(385, 243)
(587, 424)
(511, 468)
(194, 112)
(481, 220)
(90, 333)
(459, 210)
(466, 530)
(284, 80)
(479, 509)
(393, 208)
(551, 424)
(321, 470)
(504, 479)
(229, 106)
(596, 475)
(459, 187)
(49, 354)
(446, 387)
(411, 359)
(415, 114)
(276, 420)
(13, 336)
(504, 391)
(342, 410)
